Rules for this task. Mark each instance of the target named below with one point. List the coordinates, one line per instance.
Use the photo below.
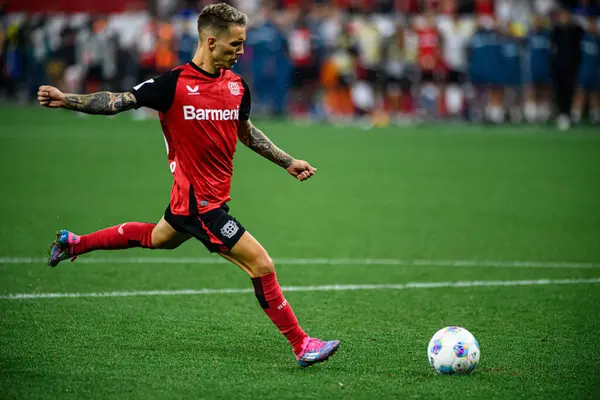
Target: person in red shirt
(204, 110)
(429, 45)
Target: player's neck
(205, 62)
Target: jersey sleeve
(157, 93)
(246, 103)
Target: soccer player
(204, 108)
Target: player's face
(230, 46)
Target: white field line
(335, 288)
(318, 261)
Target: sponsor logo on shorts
(229, 229)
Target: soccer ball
(453, 350)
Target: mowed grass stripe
(318, 261)
(322, 288)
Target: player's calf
(127, 235)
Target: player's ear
(212, 42)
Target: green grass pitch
(397, 205)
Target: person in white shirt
(455, 40)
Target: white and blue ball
(453, 351)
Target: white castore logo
(203, 114)
(192, 90)
(142, 84)
(229, 229)
(234, 88)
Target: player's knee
(262, 266)
(163, 242)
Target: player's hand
(49, 96)
(301, 170)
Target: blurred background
(373, 62)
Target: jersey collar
(203, 72)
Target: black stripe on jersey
(246, 105)
(158, 93)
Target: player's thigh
(164, 236)
(250, 256)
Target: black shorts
(216, 229)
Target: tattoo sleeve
(105, 103)
(259, 143)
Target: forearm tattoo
(261, 144)
(105, 103)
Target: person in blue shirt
(588, 76)
(539, 74)
(188, 43)
(271, 67)
(484, 71)
(511, 73)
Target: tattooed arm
(105, 103)
(254, 139)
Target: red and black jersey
(200, 114)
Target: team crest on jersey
(229, 229)
(234, 88)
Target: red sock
(269, 295)
(124, 236)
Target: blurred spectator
(511, 72)
(482, 58)
(63, 58)
(270, 66)
(188, 43)
(338, 75)
(146, 50)
(588, 77)
(3, 43)
(537, 106)
(165, 57)
(566, 39)
(455, 40)
(430, 65)
(399, 73)
(368, 89)
(304, 51)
